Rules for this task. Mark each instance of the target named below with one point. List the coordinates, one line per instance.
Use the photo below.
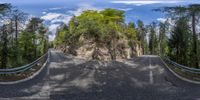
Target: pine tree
(192, 12)
(153, 39)
(163, 39)
(141, 34)
(179, 42)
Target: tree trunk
(16, 41)
(11, 32)
(194, 49)
(114, 48)
(5, 48)
(132, 53)
(72, 50)
(110, 51)
(95, 54)
(143, 49)
(16, 32)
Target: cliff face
(88, 51)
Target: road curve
(69, 78)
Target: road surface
(69, 78)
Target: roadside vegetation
(22, 39)
(106, 36)
(102, 35)
(184, 39)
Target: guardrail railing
(185, 68)
(25, 67)
(184, 71)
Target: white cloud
(162, 20)
(56, 8)
(145, 2)
(125, 9)
(64, 19)
(55, 18)
(44, 12)
(52, 29)
(82, 8)
(50, 16)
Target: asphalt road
(69, 78)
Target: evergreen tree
(163, 39)
(153, 39)
(192, 12)
(131, 33)
(4, 46)
(180, 42)
(32, 28)
(141, 35)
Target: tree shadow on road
(95, 80)
(24, 89)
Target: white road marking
(150, 72)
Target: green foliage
(104, 29)
(153, 40)
(89, 25)
(4, 46)
(180, 42)
(26, 45)
(112, 15)
(163, 39)
(141, 35)
(60, 36)
(19, 47)
(191, 12)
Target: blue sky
(55, 12)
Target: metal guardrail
(25, 67)
(182, 67)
